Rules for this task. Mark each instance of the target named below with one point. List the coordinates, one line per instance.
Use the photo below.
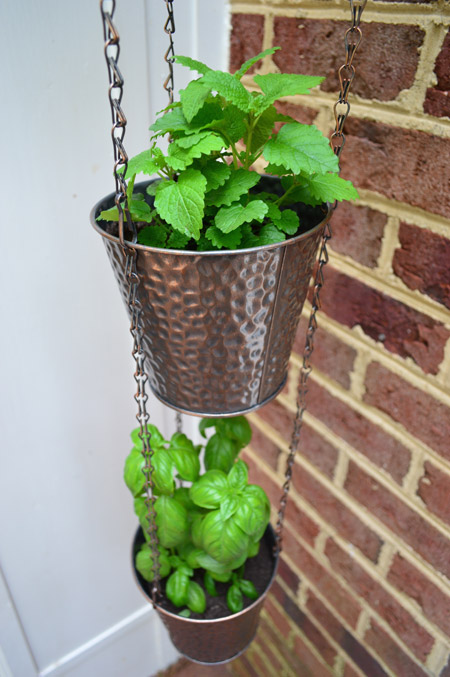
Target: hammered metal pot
(218, 326)
(210, 641)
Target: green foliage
(211, 526)
(205, 196)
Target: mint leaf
(216, 173)
(109, 215)
(288, 221)
(193, 139)
(171, 122)
(142, 163)
(224, 240)
(249, 239)
(181, 157)
(276, 85)
(177, 240)
(181, 203)
(192, 64)
(151, 189)
(250, 62)
(330, 187)
(230, 218)
(269, 234)
(263, 128)
(229, 87)
(140, 211)
(192, 99)
(231, 123)
(152, 236)
(301, 148)
(237, 184)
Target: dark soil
(258, 570)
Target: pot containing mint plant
(215, 552)
(224, 254)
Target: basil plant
(213, 525)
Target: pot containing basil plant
(224, 255)
(215, 549)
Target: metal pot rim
(203, 621)
(183, 252)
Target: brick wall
(363, 582)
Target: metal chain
(116, 82)
(169, 28)
(353, 38)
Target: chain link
(352, 40)
(169, 28)
(115, 93)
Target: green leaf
(229, 218)
(330, 187)
(216, 173)
(192, 64)
(235, 600)
(163, 471)
(263, 128)
(151, 188)
(144, 563)
(210, 585)
(109, 215)
(181, 157)
(288, 221)
(238, 184)
(196, 599)
(253, 549)
(220, 453)
(143, 163)
(276, 85)
(140, 508)
(177, 240)
(301, 148)
(210, 489)
(172, 522)
(248, 588)
(238, 476)
(220, 572)
(253, 513)
(249, 239)
(229, 87)
(133, 475)
(224, 240)
(231, 123)
(250, 62)
(228, 506)
(170, 122)
(223, 539)
(185, 457)
(186, 613)
(269, 234)
(152, 236)
(196, 531)
(177, 588)
(192, 99)
(156, 439)
(140, 211)
(206, 423)
(181, 203)
(182, 496)
(239, 429)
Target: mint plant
(206, 196)
(213, 525)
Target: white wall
(68, 604)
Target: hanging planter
(218, 326)
(224, 257)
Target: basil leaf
(189, 553)
(235, 600)
(215, 568)
(239, 428)
(132, 474)
(172, 522)
(185, 457)
(228, 506)
(196, 599)
(144, 563)
(220, 453)
(177, 588)
(210, 584)
(156, 439)
(185, 613)
(238, 476)
(253, 513)
(248, 589)
(223, 539)
(182, 496)
(163, 471)
(210, 489)
(253, 549)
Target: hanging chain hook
(169, 28)
(341, 110)
(115, 93)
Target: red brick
(259, 659)
(354, 428)
(327, 585)
(277, 617)
(311, 665)
(402, 329)
(310, 631)
(315, 47)
(434, 490)
(326, 619)
(433, 602)
(243, 660)
(437, 101)
(362, 657)
(278, 417)
(302, 114)
(247, 31)
(287, 575)
(426, 418)
(331, 355)
(303, 525)
(349, 671)
(264, 448)
(400, 620)
(422, 262)
(257, 476)
(405, 165)
(318, 451)
(410, 526)
(391, 654)
(358, 232)
(337, 514)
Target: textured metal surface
(211, 641)
(218, 326)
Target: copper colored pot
(219, 326)
(211, 641)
